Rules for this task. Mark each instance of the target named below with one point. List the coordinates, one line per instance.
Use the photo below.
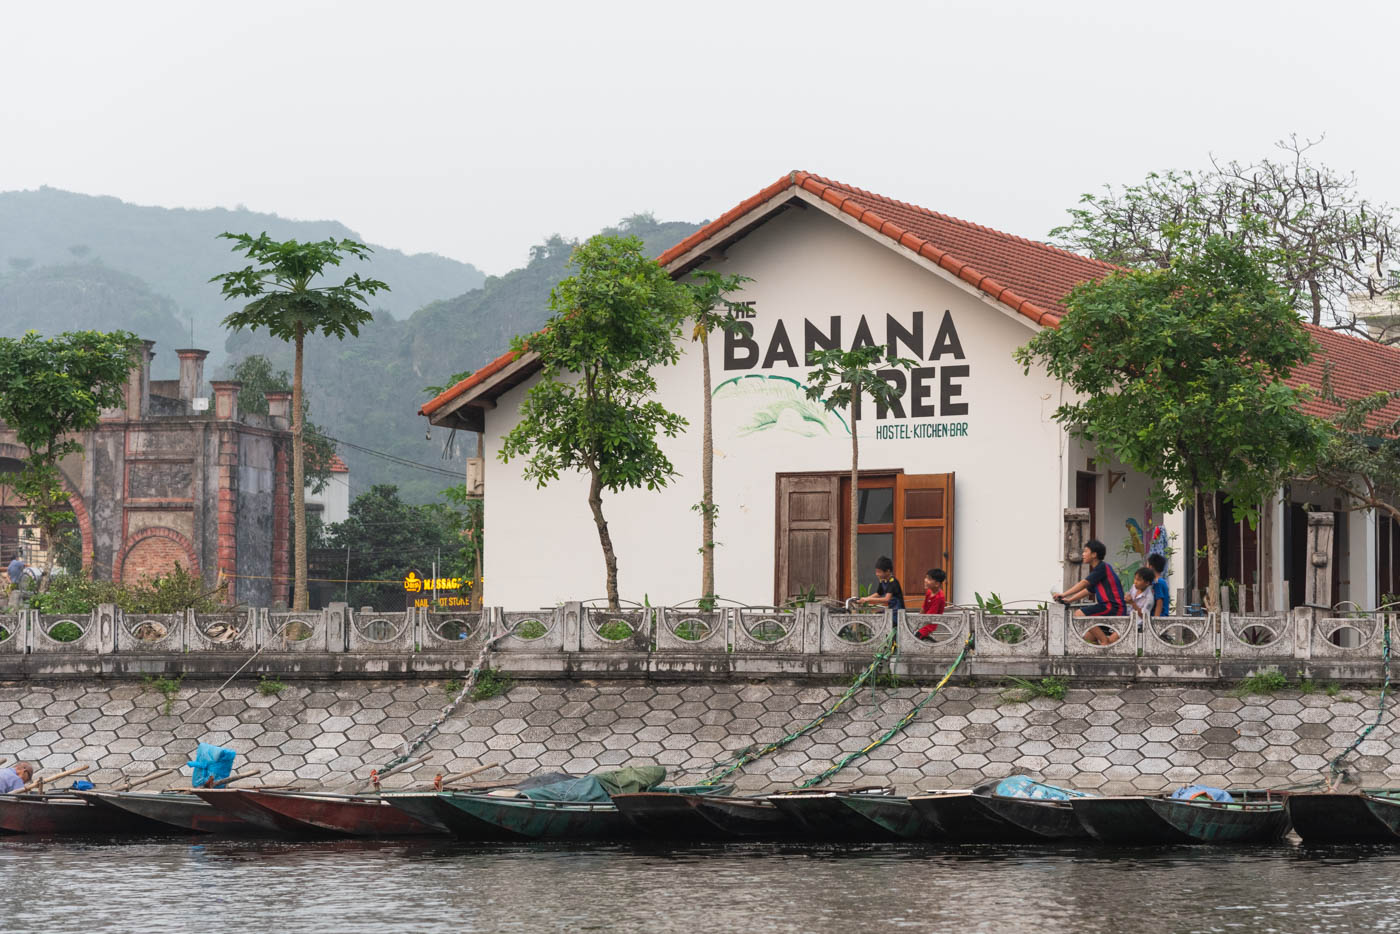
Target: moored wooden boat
(1331, 817)
(351, 815)
(234, 802)
(744, 817)
(1125, 820)
(892, 812)
(436, 807)
(664, 815)
(546, 820)
(958, 818)
(1206, 821)
(174, 810)
(67, 814)
(1038, 818)
(825, 816)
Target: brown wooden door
(924, 517)
(808, 523)
(1086, 486)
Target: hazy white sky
(473, 130)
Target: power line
(398, 460)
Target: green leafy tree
(1178, 372)
(1362, 454)
(258, 377)
(618, 316)
(285, 302)
(840, 380)
(386, 538)
(50, 390)
(713, 310)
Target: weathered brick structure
(159, 482)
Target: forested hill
(175, 251)
(367, 391)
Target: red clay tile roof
(338, 465)
(1029, 277)
(1357, 368)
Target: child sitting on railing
(935, 600)
(1142, 596)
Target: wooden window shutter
(923, 505)
(808, 523)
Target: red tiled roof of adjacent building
(1356, 367)
(337, 465)
(1030, 277)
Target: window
(908, 517)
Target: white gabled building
(970, 472)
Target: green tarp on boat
(600, 786)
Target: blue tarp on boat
(210, 762)
(1191, 792)
(1023, 786)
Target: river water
(345, 887)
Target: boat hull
(893, 813)
(1321, 817)
(433, 807)
(958, 818)
(1222, 822)
(745, 817)
(825, 816)
(1039, 820)
(175, 811)
(547, 820)
(352, 816)
(233, 802)
(65, 815)
(659, 815)
(1126, 820)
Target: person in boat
(15, 777)
(888, 593)
(1104, 587)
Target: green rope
(1336, 771)
(887, 651)
(898, 727)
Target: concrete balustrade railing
(582, 640)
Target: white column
(1174, 523)
(1362, 534)
(1276, 587)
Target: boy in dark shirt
(1162, 595)
(887, 593)
(1103, 586)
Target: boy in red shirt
(935, 600)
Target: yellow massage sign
(415, 584)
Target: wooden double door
(906, 517)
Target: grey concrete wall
(1117, 739)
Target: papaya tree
(712, 309)
(286, 301)
(840, 379)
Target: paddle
(442, 781)
(39, 782)
(146, 778)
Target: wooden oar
(233, 778)
(458, 776)
(40, 782)
(147, 778)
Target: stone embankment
(1142, 737)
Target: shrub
(1023, 690)
(490, 682)
(1264, 682)
(268, 687)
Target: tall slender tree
(285, 301)
(839, 380)
(713, 310)
(592, 409)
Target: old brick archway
(75, 502)
(151, 552)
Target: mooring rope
(1336, 770)
(895, 730)
(407, 750)
(727, 767)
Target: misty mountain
(367, 390)
(176, 250)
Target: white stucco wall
(1010, 465)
